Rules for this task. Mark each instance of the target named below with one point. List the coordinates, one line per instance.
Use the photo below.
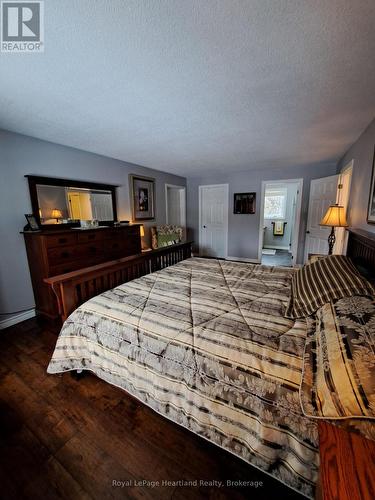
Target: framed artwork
(142, 194)
(244, 203)
(371, 202)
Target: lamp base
(331, 240)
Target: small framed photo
(371, 201)
(32, 222)
(142, 194)
(244, 203)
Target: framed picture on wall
(142, 195)
(244, 203)
(371, 202)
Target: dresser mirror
(58, 203)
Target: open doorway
(279, 222)
(175, 206)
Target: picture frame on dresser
(371, 201)
(32, 223)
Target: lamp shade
(56, 213)
(142, 231)
(335, 216)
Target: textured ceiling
(193, 86)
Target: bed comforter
(205, 344)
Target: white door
(322, 194)
(213, 220)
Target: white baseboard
(16, 318)
(276, 247)
(243, 259)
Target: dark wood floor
(63, 438)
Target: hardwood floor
(63, 438)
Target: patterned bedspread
(205, 343)
(338, 382)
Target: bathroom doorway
(279, 224)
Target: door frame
(347, 169)
(183, 210)
(226, 215)
(295, 244)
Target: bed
(206, 344)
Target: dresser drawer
(67, 267)
(90, 250)
(59, 255)
(90, 236)
(59, 240)
(80, 254)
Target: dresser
(54, 252)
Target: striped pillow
(323, 281)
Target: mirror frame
(34, 180)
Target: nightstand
(313, 257)
(347, 464)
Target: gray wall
(20, 155)
(243, 237)
(362, 152)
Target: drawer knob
(65, 254)
(62, 240)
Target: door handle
(307, 232)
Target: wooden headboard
(361, 249)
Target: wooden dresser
(54, 252)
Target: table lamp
(334, 217)
(56, 214)
(142, 233)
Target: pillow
(339, 363)
(323, 281)
(165, 240)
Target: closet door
(213, 219)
